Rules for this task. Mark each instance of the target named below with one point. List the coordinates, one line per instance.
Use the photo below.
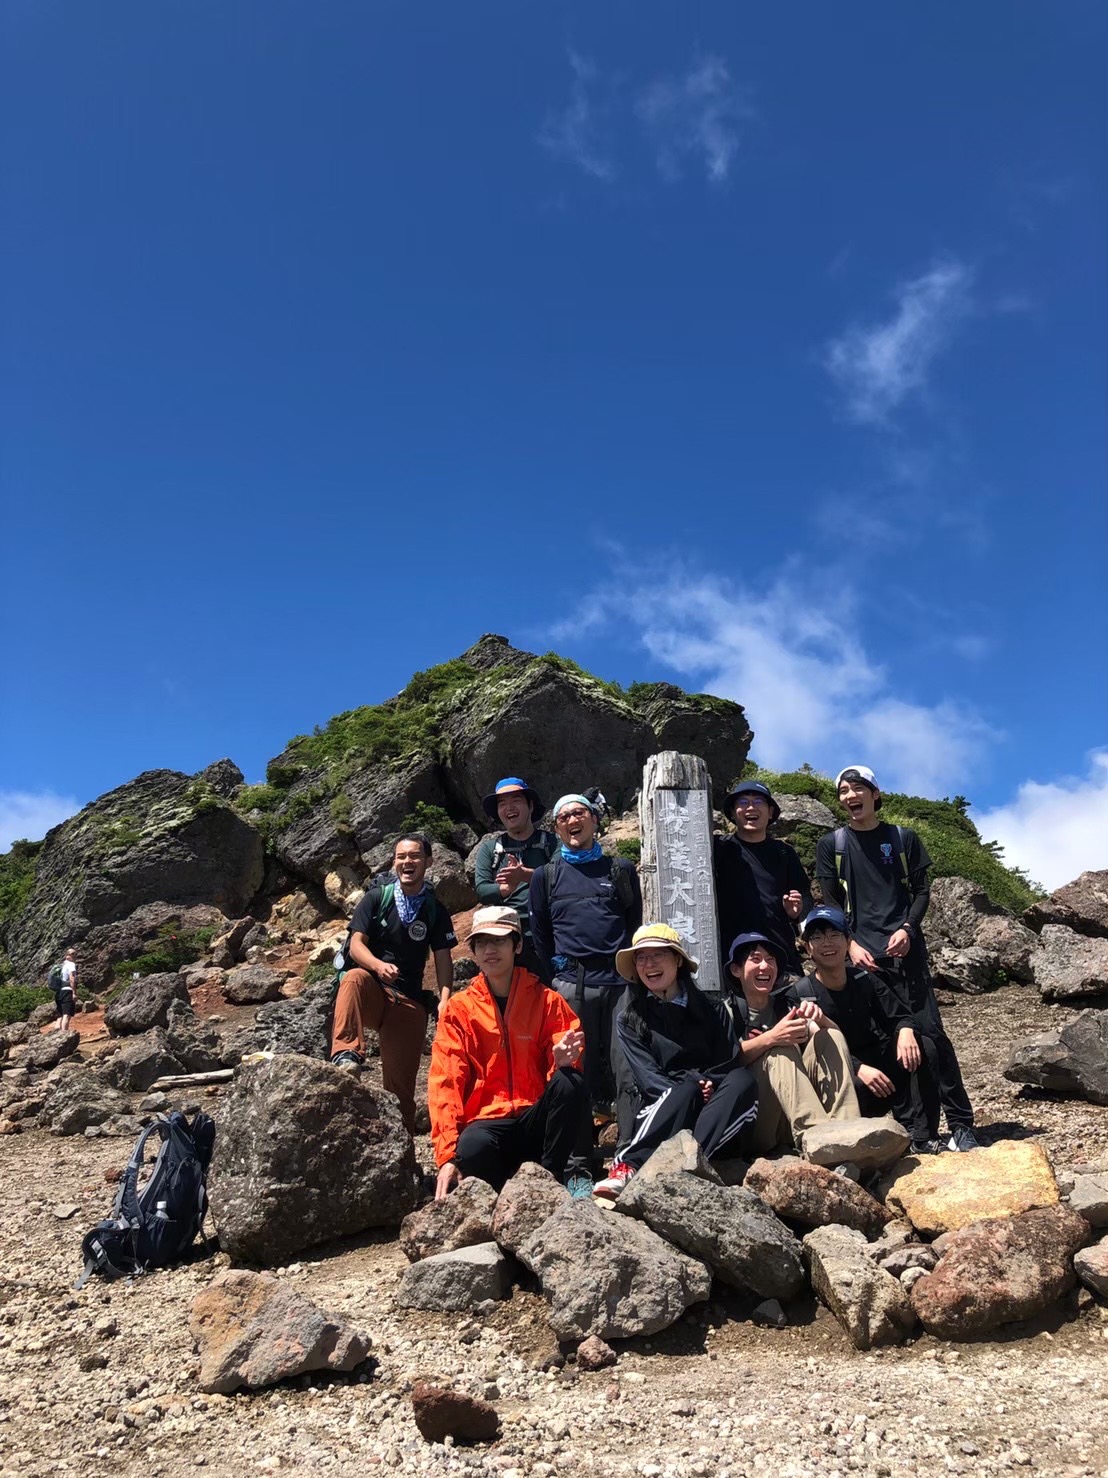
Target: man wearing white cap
(585, 907)
(877, 874)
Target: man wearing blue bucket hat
(506, 860)
(761, 885)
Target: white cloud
(573, 133)
(695, 116)
(877, 366)
(29, 815)
(793, 657)
(1055, 829)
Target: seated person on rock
(877, 874)
(505, 1085)
(506, 860)
(802, 1071)
(394, 928)
(761, 885)
(682, 1052)
(850, 998)
(585, 906)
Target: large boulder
(452, 886)
(971, 970)
(1091, 1266)
(198, 1046)
(145, 929)
(163, 838)
(139, 1061)
(145, 1003)
(301, 1024)
(698, 723)
(524, 1204)
(866, 1300)
(461, 1220)
(1000, 1270)
(962, 917)
(814, 1196)
(1072, 1061)
(253, 1330)
(867, 1143)
(452, 1282)
(682, 1152)
(249, 985)
(1081, 905)
(304, 1153)
(610, 1275)
(1089, 1197)
(1070, 966)
(77, 1099)
(727, 1227)
(46, 1051)
(944, 1192)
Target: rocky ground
(104, 1380)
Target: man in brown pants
(393, 928)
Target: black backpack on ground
(153, 1227)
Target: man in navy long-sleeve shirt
(585, 907)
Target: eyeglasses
(750, 802)
(578, 815)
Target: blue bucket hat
(826, 913)
(750, 787)
(745, 942)
(513, 785)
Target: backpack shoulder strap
(621, 880)
(805, 989)
(902, 848)
(384, 903)
(840, 848)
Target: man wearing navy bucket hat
(506, 860)
(761, 885)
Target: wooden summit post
(678, 885)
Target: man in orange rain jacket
(504, 1085)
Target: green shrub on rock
(18, 1001)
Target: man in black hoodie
(761, 885)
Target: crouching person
(682, 1052)
(802, 1070)
(505, 1085)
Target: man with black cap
(877, 874)
(761, 885)
(506, 860)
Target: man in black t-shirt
(393, 929)
(761, 885)
(877, 874)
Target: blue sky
(757, 348)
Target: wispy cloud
(1055, 829)
(29, 815)
(876, 366)
(696, 116)
(575, 134)
(800, 667)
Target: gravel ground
(714, 1395)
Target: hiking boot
(617, 1178)
(962, 1137)
(926, 1147)
(579, 1186)
(350, 1062)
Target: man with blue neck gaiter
(584, 908)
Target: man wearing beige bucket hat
(682, 1052)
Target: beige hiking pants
(798, 1089)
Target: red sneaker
(618, 1177)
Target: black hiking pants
(938, 1080)
(550, 1132)
(715, 1124)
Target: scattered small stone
(65, 1210)
(594, 1354)
(441, 1412)
(770, 1313)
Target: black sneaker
(962, 1137)
(350, 1062)
(925, 1147)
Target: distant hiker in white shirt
(66, 993)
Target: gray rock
(139, 1061)
(610, 1275)
(227, 947)
(867, 1301)
(910, 1277)
(682, 1152)
(300, 1024)
(970, 970)
(1070, 966)
(77, 1099)
(17, 1032)
(253, 1330)
(1089, 1198)
(1091, 1266)
(464, 1219)
(725, 1226)
(145, 1003)
(1072, 1062)
(1081, 905)
(803, 810)
(44, 1052)
(912, 1255)
(770, 1313)
(452, 887)
(256, 937)
(248, 985)
(41, 1016)
(304, 1153)
(962, 917)
(195, 1044)
(451, 1282)
(867, 1143)
(524, 1204)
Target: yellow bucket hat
(653, 936)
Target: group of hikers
(582, 1014)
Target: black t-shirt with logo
(751, 880)
(404, 945)
(880, 898)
